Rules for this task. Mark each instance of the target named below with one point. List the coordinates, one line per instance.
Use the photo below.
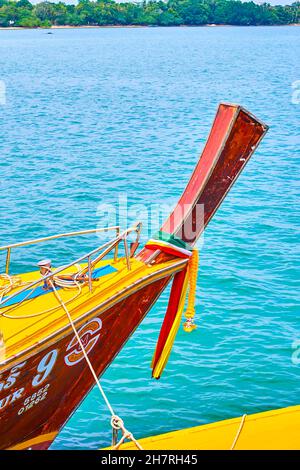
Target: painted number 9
(45, 367)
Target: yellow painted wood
(23, 333)
(271, 430)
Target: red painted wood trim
(170, 315)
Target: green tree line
(148, 13)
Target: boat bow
(43, 377)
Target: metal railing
(107, 247)
(51, 237)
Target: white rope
(238, 432)
(82, 348)
(10, 283)
(116, 422)
(7, 283)
(16, 282)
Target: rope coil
(9, 283)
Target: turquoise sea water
(94, 113)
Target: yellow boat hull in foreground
(271, 430)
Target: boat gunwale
(107, 247)
(101, 308)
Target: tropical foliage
(152, 13)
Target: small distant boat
(56, 324)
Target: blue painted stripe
(99, 272)
(38, 291)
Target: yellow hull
(271, 430)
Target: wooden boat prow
(44, 374)
(25, 334)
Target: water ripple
(94, 113)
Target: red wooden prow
(234, 136)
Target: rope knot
(117, 423)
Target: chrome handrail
(108, 246)
(52, 237)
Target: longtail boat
(56, 324)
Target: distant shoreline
(17, 28)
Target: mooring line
(116, 422)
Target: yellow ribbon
(193, 265)
(190, 281)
